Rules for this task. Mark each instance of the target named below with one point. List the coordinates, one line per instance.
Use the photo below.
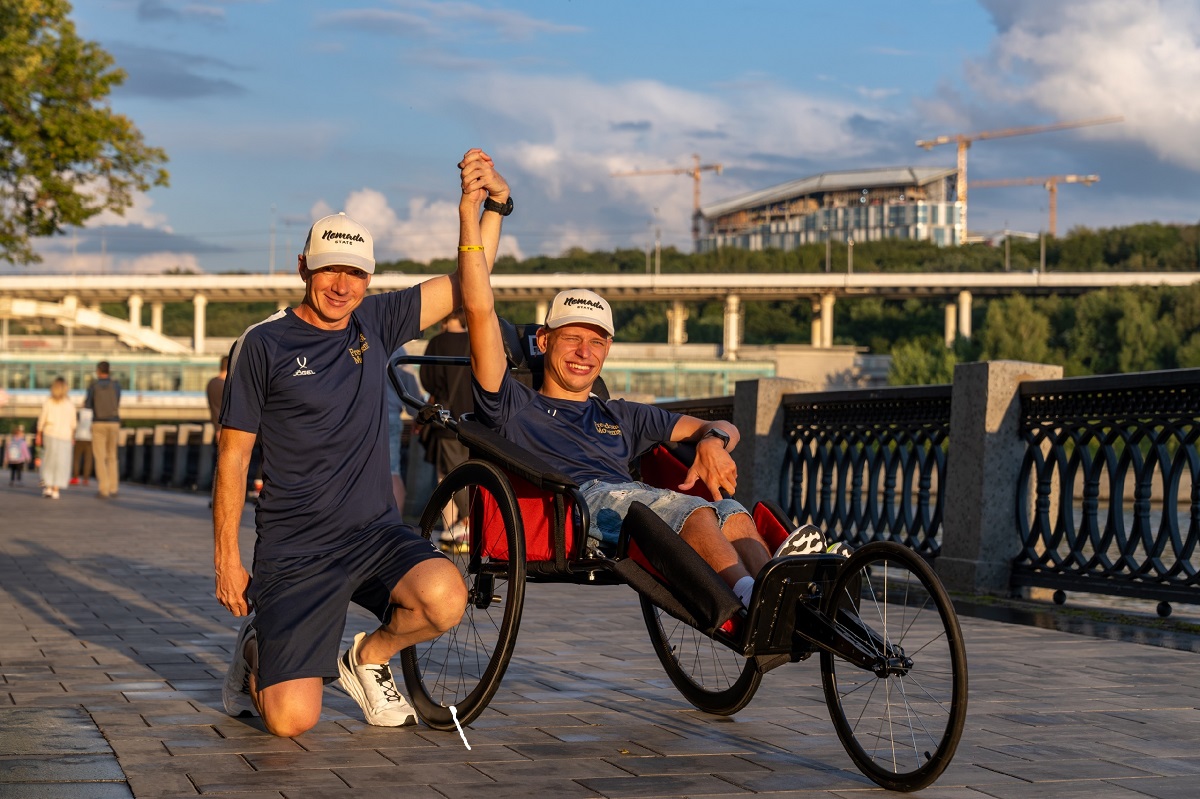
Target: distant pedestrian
(215, 390)
(450, 387)
(56, 437)
(104, 400)
(16, 454)
(81, 459)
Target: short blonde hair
(58, 389)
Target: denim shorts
(608, 503)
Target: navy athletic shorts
(300, 602)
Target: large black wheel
(900, 721)
(709, 674)
(463, 666)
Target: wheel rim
(709, 674)
(463, 666)
(900, 722)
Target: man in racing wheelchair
(593, 440)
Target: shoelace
(383, 676)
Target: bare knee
(444, 600)
(289, 725)
(292, 708)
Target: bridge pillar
(199, 304)
(4, 333)
(135, 310)
(979, 531)
(951, 332)
(815, 324)
(733, 327)
(827, 301)
(281, 305)
(964, 314)
(540, 310)
(156, 310)
(677, 316)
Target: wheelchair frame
(714, 651)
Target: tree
(65, 156)
(1014, 330)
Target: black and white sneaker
(372, 686)
(235, 693)
(804, 540)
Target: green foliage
(65, 156)
(922, 361)
(1013, 330)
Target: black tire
(463, 666)
(710, 675)
(901, 729)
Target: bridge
(73, 301)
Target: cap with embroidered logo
(580, 307)
(337, 240)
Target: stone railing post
(979, 527)
(758, 414)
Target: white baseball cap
(337, 240)
(580, 307)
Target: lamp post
(849, 256)
(828, 247)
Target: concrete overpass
(73, 301)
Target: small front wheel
(463, 666)
(709, 674)
(901, 720)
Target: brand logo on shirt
(356, 354)
(606, 429)
(302, 362)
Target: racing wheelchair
(893, 663)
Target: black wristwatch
(504, 208)
(719, 434)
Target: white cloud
(428, 231)
(1089, 58)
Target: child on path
(16, 455)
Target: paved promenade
(112, 652)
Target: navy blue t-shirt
(317, 400)
(590, 440)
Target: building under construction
(853, 206)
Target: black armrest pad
(513, 457)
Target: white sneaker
(838, 548)
(804, 540)
(372, 686)
(235, 693)
(458, 533)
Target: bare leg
(428, 601)
(287, 708)
(734, 552)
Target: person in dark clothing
(104, 400)
(449, 386)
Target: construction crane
(1049, 183)
(963, 140)
(694, 171)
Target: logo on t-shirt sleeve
(302, 362)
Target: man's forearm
(229, 499)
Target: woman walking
(56, 436)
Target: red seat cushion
(537, 513)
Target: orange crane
(1049, 183)
(963, 140)
(694, 171)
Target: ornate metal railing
(1107, 499)
(709, 409)
(868, 465)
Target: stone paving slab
(112, 652)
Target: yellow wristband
(470, 248)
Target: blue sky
(274, 112)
